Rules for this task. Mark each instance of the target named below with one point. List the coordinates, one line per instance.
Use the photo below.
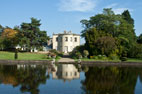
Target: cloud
(77, 5)
(118, 10)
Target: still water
(69, 79)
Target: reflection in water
(66, 72)
(111, 80)
(97, 80)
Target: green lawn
(134, 60)
(22, 56)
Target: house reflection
(65, 72)
(20, 66)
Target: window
(75, 74)
(57, 39)
(66, 74)
(66, 38)
(71, 39)
(75, 39)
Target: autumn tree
(9, 37)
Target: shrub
(78, 55)
(101, 57)
(139, 56)
(57, 53)
(123, 58)
(85, 53)
(113, 57)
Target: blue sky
(59, 15)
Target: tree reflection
(28, 78)
(110, 80)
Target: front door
(66, 49)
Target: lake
(69, 79)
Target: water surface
(69, 79)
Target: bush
(100, 57)
(78, 55)
(77, 49)
(113, 57)
(54, 54)
(139, 56)
(93, 57)
(85, 53)
(123, 58)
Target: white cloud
(77, 5)
(118, 10)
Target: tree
(109, 25)
(126, 15)
(1, 29)
(139, 40)
(106, 45)
(10, 38)
(32, 36)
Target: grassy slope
(22, 56)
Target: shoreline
(88, 63)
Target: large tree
(31, 35)
(109, 24)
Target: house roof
(67, 33)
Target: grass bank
(129, 60)
(22, 56)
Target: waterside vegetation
(110, 36)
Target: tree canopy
(27, 35)
(109, 33)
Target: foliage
(123, 58)
(27, 36)
(9, 38)
(78, 55)
(109, 33)
(54, 54)
(139, 40)
(105, 45)
(113, 57)
(31, 35)
(77, 49)
(85, 53)
(99, 57)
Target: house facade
(65, 42)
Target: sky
(59, 15)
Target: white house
(65, 42)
